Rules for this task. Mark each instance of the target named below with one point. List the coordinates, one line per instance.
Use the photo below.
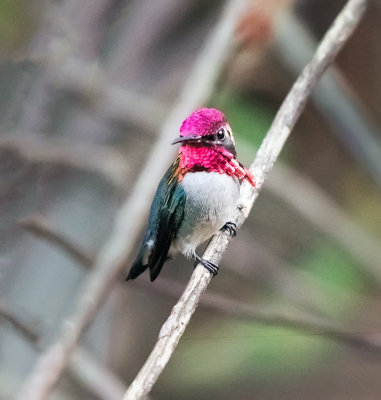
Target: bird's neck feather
(211, 159)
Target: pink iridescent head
(206, 127)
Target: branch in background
(215, 302)
(89, 81)
(27, 330)
(113, 102)
(113, 258)
(84, 368)
(334, 96)
(62, 25)
(128, 63)
(103, 160)
(329, 218)
(94, 376)
(290, 283)
(285, 120)
(85, 23)
(39, 227)
(299, 287)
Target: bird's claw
(212, 268)
(231, 227)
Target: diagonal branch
(285, 120)
(114, 256)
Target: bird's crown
(203, 122)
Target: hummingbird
(196, 196)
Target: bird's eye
(221, 134)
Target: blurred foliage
(363, 200)
(236, 350)
(250, 117)
(334, 270)
(18, 20)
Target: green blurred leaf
(18, 19)
(250, 118)
(237, 350)
(335, 274)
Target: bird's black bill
(194, 139)
(187, 139)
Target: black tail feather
(138, 267)
(136, 270)
(157, 264)
(156, 259)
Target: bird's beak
(188, 139)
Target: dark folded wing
(163, 223)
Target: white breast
(211, 198)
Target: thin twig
(39, 227)
(113, 258)
(285, 120)
(27, 330)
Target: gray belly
(211, 199)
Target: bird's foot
(231, 227)
(212, 268)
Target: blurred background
(84, 89)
